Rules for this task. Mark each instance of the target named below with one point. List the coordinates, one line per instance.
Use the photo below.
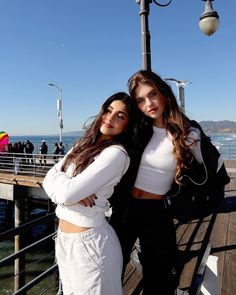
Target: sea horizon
(218, 139)
(68, 141)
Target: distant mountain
(222, 127)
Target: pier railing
(38, 164)
(228, 152)
(27, 164)
(21, 270)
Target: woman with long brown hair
(87, 249)
(170, 150)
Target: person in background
(87, 249)
(168, 150)
(20, 147)
(29, 148)
(56, 152)
(17, 150)
(10, 148)
(61, 148)
(43, 150)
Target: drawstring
(55, 236)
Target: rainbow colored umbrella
(3, 141)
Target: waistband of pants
(85, 235)
(68, 227)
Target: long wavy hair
(90, 145)
(174, 120)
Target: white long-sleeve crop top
(99, 178)
(158, 165)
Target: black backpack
(197, 200)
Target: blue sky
(91, 48)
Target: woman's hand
(89, 201)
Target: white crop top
(99, 178)
(158, 165)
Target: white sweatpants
(90, 263)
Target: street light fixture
(208, 23)
(59, 108)
(180, 85)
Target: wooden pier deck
(193, 238)
(218, 230)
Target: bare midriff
(68, 227)
(140, 194)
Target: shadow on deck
(193, 238)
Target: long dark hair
(174, 120)
(86, 148)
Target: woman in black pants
(169, 145)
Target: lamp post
(208, 23)
(180, 85)
(59, 108)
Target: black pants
(149, 221)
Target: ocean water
(68, 141)
(223, 139)
(226, 144)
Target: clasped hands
(89, 201)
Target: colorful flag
(3, 141)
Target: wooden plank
(199, 276)
(218, 242)
(21, 180)
(232, 185)
(133, 283)
(132, 280)
(191, 249)
(184, 238)
(230, 163)
(228, 280)
(181, 234)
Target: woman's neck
(158, 123)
